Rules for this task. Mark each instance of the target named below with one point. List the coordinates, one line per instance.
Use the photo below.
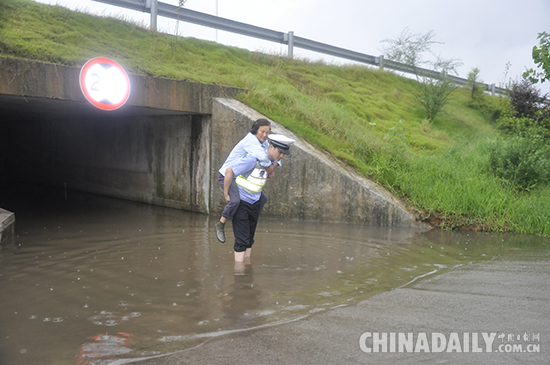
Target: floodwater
(94, 280)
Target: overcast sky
(487, 34)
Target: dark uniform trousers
(245, 221)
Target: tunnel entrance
(155, 149)
(135, 153)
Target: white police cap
(281, 142)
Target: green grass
(353, 112)
(457, 189)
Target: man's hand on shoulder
(271, 170)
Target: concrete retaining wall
(310, 185)
(7, 227)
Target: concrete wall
(7, 228)
(310, 185)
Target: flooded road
(91, 280)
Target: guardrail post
(492, 89)
(152, 5)
(290, 39)
(381, 62)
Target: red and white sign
(104, 83)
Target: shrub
(525, 113)
(522, 162)
(528, 101)
(490, 107)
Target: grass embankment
(363, 117)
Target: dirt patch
(454, 222)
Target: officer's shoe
(220, 232)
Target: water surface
(91, 280)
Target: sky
(496, 36)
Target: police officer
(254, 143)
(250, 178)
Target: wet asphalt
(507, 298)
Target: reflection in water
(89, 271)
(103, 347)
(242, 298)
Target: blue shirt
(249, 145)
(244, 167)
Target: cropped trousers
(245, 221)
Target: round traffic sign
(104, 83)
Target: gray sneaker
(220, 233)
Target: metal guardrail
(190, 16)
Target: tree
(541, 57)
(434, 90)
(181, 4)
(475, 83)
(408, 48)
(433, 95)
